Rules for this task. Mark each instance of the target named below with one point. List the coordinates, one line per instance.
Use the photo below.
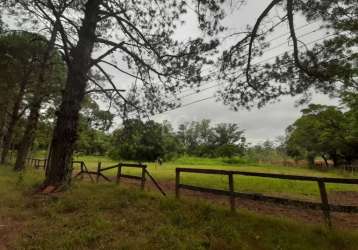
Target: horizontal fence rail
(37, 163)
(323, 205)
(83, 170)
(120, 166)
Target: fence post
(177, 183)
(231, 190)
(119, 172)
(143, 177)
(98, 171)
(325, 204)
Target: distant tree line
(137, 140)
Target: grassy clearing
(106, 216)
(297, 189)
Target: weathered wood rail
(83, 170)
(120, 166)
(321, 181)
(37, 163)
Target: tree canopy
(324, 131)
(26, 82)
(327, 65)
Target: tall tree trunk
(29, 134)
(325, 161)
(310, 160)
(335, 160)
(8, 137)
(59, 170)
(32, 121)
(3, 112)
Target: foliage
(323, 131)
(93, 125)
(26, 83)
(267, 153)
(222, 140)
(327, 65)
(141, 141)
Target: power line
(212, 97)
(186, 105)
(190, 103)
(269, 49)
(257, 63)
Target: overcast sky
(259, 124)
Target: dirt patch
(309, 216)
(348, 198)
(9, 230)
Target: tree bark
(326, 161)
(29, 135)
(32, 121)
(3, 112)
(58, 173)
(335, 160)
(8, 137)
(310, 160)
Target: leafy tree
(22, 89)
(93, 124)
(48, 80)
(201, 139)
(144, 141)
(350, 99)
(268, 151)
(96, 118)
(321, 131)
(2, 26)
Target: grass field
(107, 216)
(299, 189)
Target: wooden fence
(120, 166)
(321, 181)
(83, 170)
(37, 163)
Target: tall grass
(106, 216)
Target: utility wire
(269, 49)
(256, 63)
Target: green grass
(296, 189)
(106, 216)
